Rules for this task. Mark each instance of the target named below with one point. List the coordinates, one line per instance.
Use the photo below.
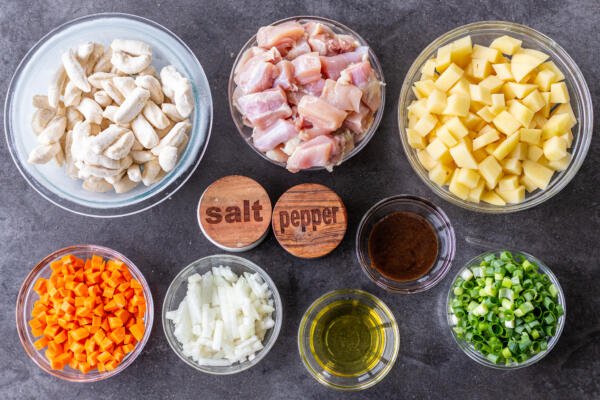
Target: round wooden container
(234, 213)
(309, 220)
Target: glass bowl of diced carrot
(84, 313)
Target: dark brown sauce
(403, 246)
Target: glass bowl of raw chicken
(306, 93)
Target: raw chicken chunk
(334, 65)
(320, 113)
(307, 68)
(279, 132)
(282, 36)
(314, 153)
(343, 96)
(264, 108)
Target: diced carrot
(40, 343)
(79, 334)
(137, 331)
(89, 313)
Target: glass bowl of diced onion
(178, 290)
(338, 28)
(483, 33)
(477, 355)
(28, 296)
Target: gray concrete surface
(564, 231)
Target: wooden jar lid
(234, 213)
(309, 220)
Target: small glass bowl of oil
(348, 339)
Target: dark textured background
(563, 231)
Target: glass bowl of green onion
(506, 309)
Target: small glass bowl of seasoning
(405, 244)
(348, 340)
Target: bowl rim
(434, 209)
(25, 291)
(356, 293)
(277, 304)
(579, 89)
(476, 356)
(377, 118)
(118, 210)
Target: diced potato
(479, 69)
(462, 87)
(518, 90)
(522, 63)
(546, 110)
(506, 123)
(461, 50)
(550, 66)
(492, 82)
(566, 109)
(462, 156)
(443, 58)
(521, 113)
(449, 77)
(503, 71)
(428, 69)
(506, 146)
(487, 136)
(415, 140)
(538, 174)
(479, 155)
(475, 194)
(425, 159)
(485, 53)
(480, 94)
(560, 165)
(498, 100)
(568, 138)
(419, 108)
(534, 101)
(456, 127)
(506, 45)
(444, 134)
(557, 125)
(426, 124)
(425, 87)
(436, 102)
(544, 79)
(472, 121)
(491, 171)
(508, 182)
(529, 185)
(492, 123)
(437, 149)
(512, 166)
(492, 197)
(457, 104)
(468, 177)
(486, 114)
(534, 153)
(459, 190)
(519, 152)
(559, 93)
(440, 174)
(555, 148)
(513, 196)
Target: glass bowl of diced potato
(495, 117)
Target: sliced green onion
(505, 308)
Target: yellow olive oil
(347, 338)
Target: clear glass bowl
(470, 351)
(178, 289)
(581, 101)
(337, 27)
(375, 374)
(27, 297)
(438, 220)
(32, 77)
